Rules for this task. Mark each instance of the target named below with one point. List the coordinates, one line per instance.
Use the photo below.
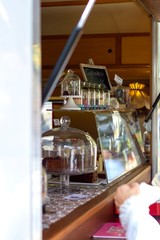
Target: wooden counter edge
(86, 219)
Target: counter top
(78, 219)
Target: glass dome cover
(71, 84)
(67, 150)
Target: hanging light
(138, 97)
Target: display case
(119, 141)
(118, 136)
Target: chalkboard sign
(96, 74)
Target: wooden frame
(78, 2)
(96, 74)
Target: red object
(154, 209)
(110, 230)
(116, 211)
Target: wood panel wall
(128, 55)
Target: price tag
(76, 196)
(118, 80)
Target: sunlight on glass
(4, 98)
(3, 13)
(158, 76)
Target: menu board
(96, 74)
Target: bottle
(147, 142)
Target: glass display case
(120, 150)
(68, 151)
(118, 136)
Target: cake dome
(67, 150)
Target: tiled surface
(60, 205)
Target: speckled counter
(62, 201)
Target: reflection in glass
(68, 151)
(118, 142)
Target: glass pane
(118, 141)
(158, 83)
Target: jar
(147, 143)
(84, 94)
(122, 94)
(91, 95)
(97, 95)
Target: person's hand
(124, 192)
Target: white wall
(20, 152)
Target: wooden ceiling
(53, 3)
(126, 17)
(151, 6)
